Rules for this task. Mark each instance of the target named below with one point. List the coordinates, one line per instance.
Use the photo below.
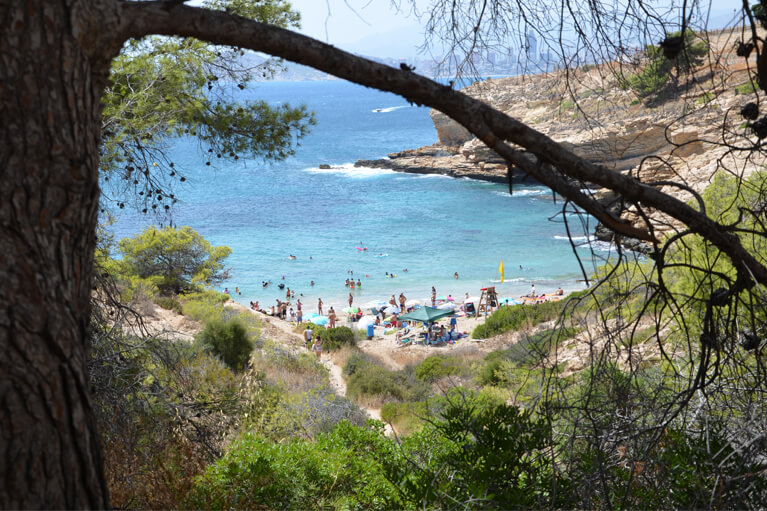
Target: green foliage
(334, 339)
(179, 259)
(166, 87)
(515, 317)
(170, 303)
(375, 380)
(747, 88)
(698, 268)
(494, 456)
(229, 340)
(334, 471)
(204, 306)
(657, 70)
(366, 379)
(405, 417)
(706, 98)
(436, 367)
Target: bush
(355, 363)
(747, 88)
(377, 381)
(436, 367)
(204, 306)
(230, 341)
(657, 71)
(170, 303)
(517, 316)
(336, 338)
(333, 472)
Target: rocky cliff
(680, 136)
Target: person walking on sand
(319, 305)
(332, 317)
(351, 299)
(433, 297)
(308, 336)
(402, 301)
(317, 348)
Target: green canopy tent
(425, 315)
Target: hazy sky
(374, 27)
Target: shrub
(229, 340)
(204, 306)
(333, 472)
(515, 317)
(404, 417)
(170, 303)
(657, 71)
(747, 88)
(436, 367)
(355, 363)
(377, 381)
(336, 338)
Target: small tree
(230, 341)
(682, 53)
(181, 257)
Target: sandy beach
(384, 345)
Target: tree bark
(53, 66)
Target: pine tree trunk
(53, 63)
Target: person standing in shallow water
(351, 299)
(319, 305)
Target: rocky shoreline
(608, 125)
(436, 160)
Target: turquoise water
(433, 226)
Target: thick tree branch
(489, 125)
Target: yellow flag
(500, 269)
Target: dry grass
(294, 371)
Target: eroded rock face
(449, 132)
(675, 140)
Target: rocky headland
(679, 135)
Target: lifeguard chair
(488, 300)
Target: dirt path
(283, 332)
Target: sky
(376, 28)
(371, 27)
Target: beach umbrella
(375, 304)
(508, 300)
(351, 310)
(473, 299)
(364, 321)
(412, 302)
(450, 299)
(391, 309)
(447, 306)
(426, 315)
(319, 320)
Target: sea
(394, 232)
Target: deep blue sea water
(433, 226)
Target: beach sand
(384, 346)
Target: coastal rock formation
(674, 139)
